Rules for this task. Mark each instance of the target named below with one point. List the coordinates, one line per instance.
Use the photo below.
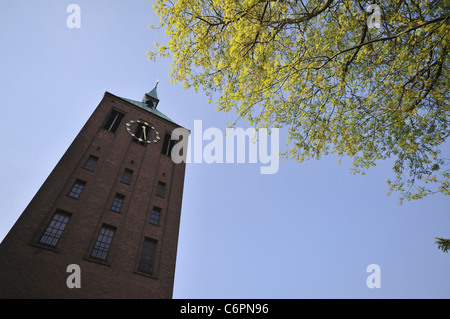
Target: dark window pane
(90, 163)
(146, 260)
(113, 121)
(117, 203)
(160, 189)
(154, 219)
(126, 177)
(77, 188)
(103, 243)
(168, 145)
(55, 228)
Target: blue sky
(308, 231)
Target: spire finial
(151, 98)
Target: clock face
(142, 132)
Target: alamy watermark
(235, 145)
(374, 20)
(74, 279)
(374, 279)
(74, 19)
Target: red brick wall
(27, 270)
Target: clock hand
(143, 130)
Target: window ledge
(97, 261)
(145, 274)
(45, 247)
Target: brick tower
(111, 207)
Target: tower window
(146, 261)
(103, 242)
(113, 121)
(90, 163)
(117, 203)
(160, 189)
(126, 177)
(167, 145)
(55, 228)
(77, 188)
(154, 219)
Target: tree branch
(363, 37)
(382, 39)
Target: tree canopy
(321, 69)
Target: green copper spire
(148, 104)
(151, 98)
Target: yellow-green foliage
(316, 68)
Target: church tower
(105, 222)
